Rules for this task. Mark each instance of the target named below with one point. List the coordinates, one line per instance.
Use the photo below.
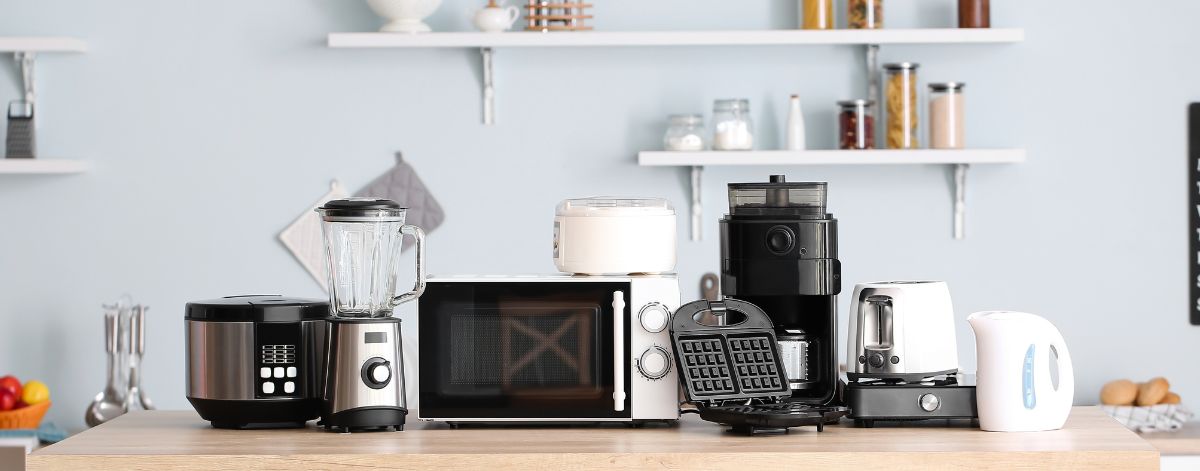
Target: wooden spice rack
(545, 16)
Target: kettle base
(365, 419)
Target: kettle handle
(419, 286)
(1066, 373)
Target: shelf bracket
(25, 64)
(489, 92)
(960, 201)
(697, 208)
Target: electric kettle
(1017, 388)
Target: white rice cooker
(609, 235)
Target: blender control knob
(929, 402)
(654, 363)
(376, 373)
(875, 360)
(654, 317)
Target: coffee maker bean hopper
(364, 386)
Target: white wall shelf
(961, 159)
(486, 42)
(41, 44)
(676, 38)
(42, 166)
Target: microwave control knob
(376, 373)
(654, 317)
(654, 363)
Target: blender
(364, 381)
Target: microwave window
(524, 348)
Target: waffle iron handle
(618, 304)
(687, 317)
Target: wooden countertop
(1185, 441)
(180, 440)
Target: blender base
(366, 419)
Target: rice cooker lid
(612, 206)
(257, 308)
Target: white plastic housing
(596, 236)
(922, 334)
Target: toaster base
(879, 400)
(257, 413)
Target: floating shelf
(961, 159)
(676, 38)
(486, 42)
(41, 44)
(42, 166)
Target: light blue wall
(211, 125)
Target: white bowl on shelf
(404, 16)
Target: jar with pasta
(816, 14)
(900, 105)
(856, 126)
(946, 113)
(864, 14)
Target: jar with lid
(816, 14)
(946, 112)
(856, 126)
(864, 14)
(732, 127)
(684, 132)
(900, 105)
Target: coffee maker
(364, 382)
(779, 252)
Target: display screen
(375, 337)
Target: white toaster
(901, 330)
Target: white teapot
(496, 18)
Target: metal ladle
(108, 404)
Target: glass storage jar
(816, 14)
(856, 126)
(684, 132)
(732, 127)
(974, 14)
(900, 105)
(946, 112)
(864, 14)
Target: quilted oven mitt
(402, 185)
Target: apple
(7, 400)
(11, 384)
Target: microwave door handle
(618, 304)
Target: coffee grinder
(364, 382)
(779, 252)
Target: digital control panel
(277, 361)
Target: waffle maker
(729, 366)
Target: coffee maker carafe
(779, 252)
(364, 386)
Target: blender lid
(257, 308)
(361, 207)
(778, 198)
(614, 206)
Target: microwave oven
(547, 348)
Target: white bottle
(795, 125)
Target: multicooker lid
(777, 198)
(613, 206)
(257, 308)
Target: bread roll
(1152, 392)
(1121, 392)
(1170, 398)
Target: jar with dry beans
(864, 14)
(856, 126)
(900, 105)
(816, 14)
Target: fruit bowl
(27, 417)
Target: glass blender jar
(364, 367)
(363, 237)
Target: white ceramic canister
(611, 235)
(1015, 387)
(495, 18)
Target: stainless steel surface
(929, 402)
(136, 397)
(876, 341)
(25, 63)
(710, 287)
(794, 354)
(618, 305)
(489, 90)
(109, 403)
(419, 284)
(960, 200)
(348, 351)
(221, 359)
(697, 207)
